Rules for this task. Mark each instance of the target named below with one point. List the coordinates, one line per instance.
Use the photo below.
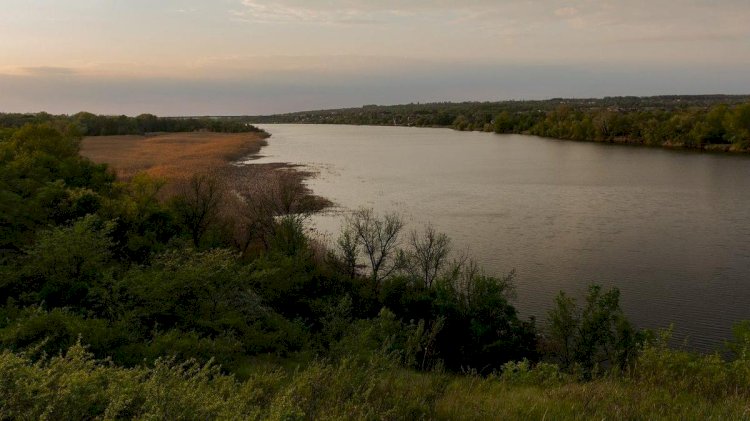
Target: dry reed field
(176, 158)
(171, 156)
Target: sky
(250, 57)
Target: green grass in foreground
(670, 385)
(611, 399)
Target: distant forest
(88, 124)
(710, 122)
(704, 122)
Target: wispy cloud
(363, 11)
(566, 12)
(616, 18)
(280, 12)
(49, 71)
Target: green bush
(593, 337)
(51, 332)
(709, 375)
(75, 386)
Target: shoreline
(171, 156)
(718, 148)
(175, 157)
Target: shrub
(595, 336)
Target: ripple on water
(665, 227)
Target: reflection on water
(670, 229)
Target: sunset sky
(223, 57)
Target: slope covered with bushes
(121, 303)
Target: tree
(482, 329)
(563, 325)
(198, 206)
(289, 236)
(461, 123)
(348, 250)
(596, 335)
(44, 139)
(143, 224)
(280, 193)
(67, 262)
(379, 237)
(740, 343)
(603, 122)
(503, 123)
(44, 181)
(428, 255)
(737, 123)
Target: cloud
(566, 12)
(608, 21)
(683, 37)
(281, 12)
(363, 11)
(49, 71)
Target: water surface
(670, 229)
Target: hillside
(215, 302)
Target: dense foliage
(668, 385)
(135, 278)
(119, 304)
(713, 122)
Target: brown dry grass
(176, 157)
(171, 156)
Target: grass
(176, 157)
(75, 386)
(605, 399)
(171, 156)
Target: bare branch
(379, 238)
(428, 254)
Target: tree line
(88, 124)
(712, 122)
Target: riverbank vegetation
(88, 124)
(171, 156)
(215, 302)
(710, 122)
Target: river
(671, 229)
